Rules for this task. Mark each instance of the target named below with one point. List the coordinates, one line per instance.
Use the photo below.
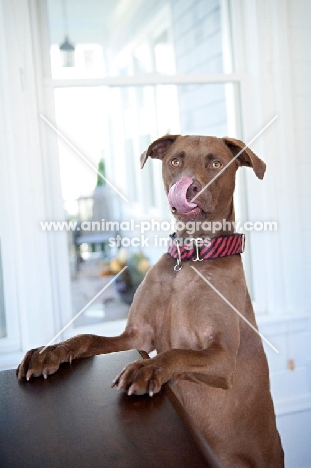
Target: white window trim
(37, 305)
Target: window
(184, 43)
(142, 69)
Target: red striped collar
(198, 249)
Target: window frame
(18, 338)
(240, 82)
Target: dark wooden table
(74, 419)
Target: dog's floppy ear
(247, 157)
(158, 148)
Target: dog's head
(199, 172)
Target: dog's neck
(220, 224)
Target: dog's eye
(175, 162)
(217, 165)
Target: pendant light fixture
(66, 48)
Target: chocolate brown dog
(213, 356)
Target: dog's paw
(141, 377)
(43, 361)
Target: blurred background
(112, 76)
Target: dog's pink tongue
(177, 196)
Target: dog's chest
(184, 318)
(185, 309)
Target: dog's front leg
(138, 334)
(213, 366)
(46, 360)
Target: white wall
(273, 51)
(299, 13)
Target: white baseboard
(113, 328)
(10, 360)
(293, 405)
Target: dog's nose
(194, 189)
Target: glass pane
(111, 127)
(2, 311)
(118, 38)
